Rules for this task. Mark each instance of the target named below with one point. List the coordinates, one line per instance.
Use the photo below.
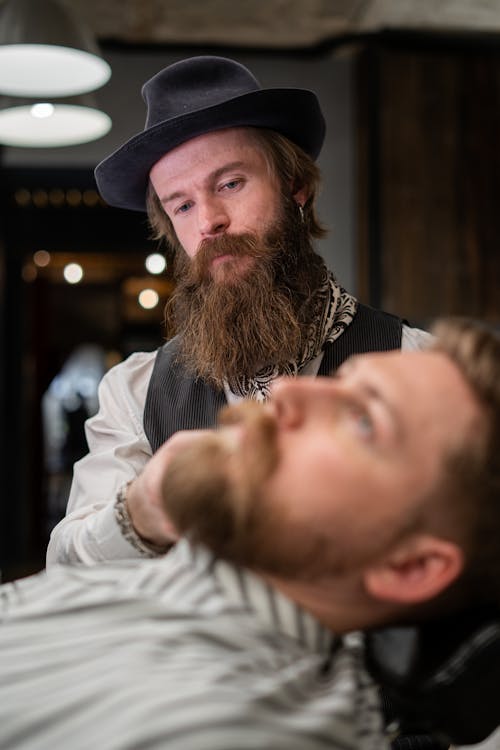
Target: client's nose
(295, 399)
(289, 400)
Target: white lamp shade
(45, 50)
(45, 124)
(49, 70)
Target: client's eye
(363, 422)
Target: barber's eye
(232, 184)
(183, 208)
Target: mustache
(245, 244)
(215, 506)
(262, 455)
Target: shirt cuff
(122, 517)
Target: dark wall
(45, 319)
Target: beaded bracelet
(146, 549)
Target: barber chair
(441, 678)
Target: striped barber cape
(179, 653)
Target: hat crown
(196, 96)
(195, 84)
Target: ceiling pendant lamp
(27, 123)
(49, 62)
(46, 51)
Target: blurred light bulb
(155, 263)
(73, 273)
(148, 299)
(41, 258)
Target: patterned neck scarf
(338, 309)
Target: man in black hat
(227, 174)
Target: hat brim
(122, 177)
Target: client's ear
(417, 570)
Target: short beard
(236, 326)
(216, 500)
(222, 507)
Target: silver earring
(301, 212)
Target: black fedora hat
(197, 96)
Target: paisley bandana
(338, 309)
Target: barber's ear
(416, 571)
(301, 196)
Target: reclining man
(343, 504)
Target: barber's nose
(212, 217)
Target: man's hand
(144, 494)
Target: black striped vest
(177, 401)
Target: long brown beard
(237, 325)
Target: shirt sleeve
(118, 452)
(413, 339)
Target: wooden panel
(437, 172)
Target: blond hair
(474, 470)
